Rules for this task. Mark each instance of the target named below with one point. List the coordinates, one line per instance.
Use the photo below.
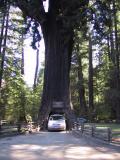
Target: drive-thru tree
(94, 94)
(57, 25)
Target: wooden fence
(101, 133)
(11, 130)
(8, 130)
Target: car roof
(56, 115)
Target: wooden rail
(9, 130)
(101, 133)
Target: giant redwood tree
(57, 25)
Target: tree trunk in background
(4, 45)
(81, 90)
(2, 30)
(117, 61)
(1, 39)
(90, 83)
(22, 60)
(112, 48)
(57, 67)
(2, 36)
(2, 55)
(22, 113)
(37, 66)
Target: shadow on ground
(55, 146)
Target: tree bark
(81, 89)
(117, 61)
(4, 46)
(2, 54)
(2, 30)
(37, 66)
(90, 85)
(22, 58)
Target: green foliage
(18, 102)
(103, 112)
(15, 102)
(28, 118)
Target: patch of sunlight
(28, 147)
(54, 152)
(23, 155)
(27, 151)
(78, 152)
(63, 132)
(103, 157)
(83, 150)
(87, 153)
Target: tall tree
(90, 84)
(3, 39)
(3, 48)
(11, 63)
(80, 52)
(57, 27)
(22, 57)
(117, 59)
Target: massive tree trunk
(57, 67)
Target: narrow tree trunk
(2, 31)
(81, 89)
(37, 66)
(4, 47)
(2, 53)
(22, 59)
(117, 61)
(22, 111)
(91, 103)
(112, 45)
(116, 38)
(1, 39)
(112, 48)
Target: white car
(57, 122)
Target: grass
(115, 127)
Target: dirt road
(55, 146)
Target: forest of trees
(82, 58)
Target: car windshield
(57, 118)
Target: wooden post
(19, 127)
(109, 133)
(82, 127)
(77, 126)
(93, 131)
(0, 126)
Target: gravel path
(55, 146)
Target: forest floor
(56, 146)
